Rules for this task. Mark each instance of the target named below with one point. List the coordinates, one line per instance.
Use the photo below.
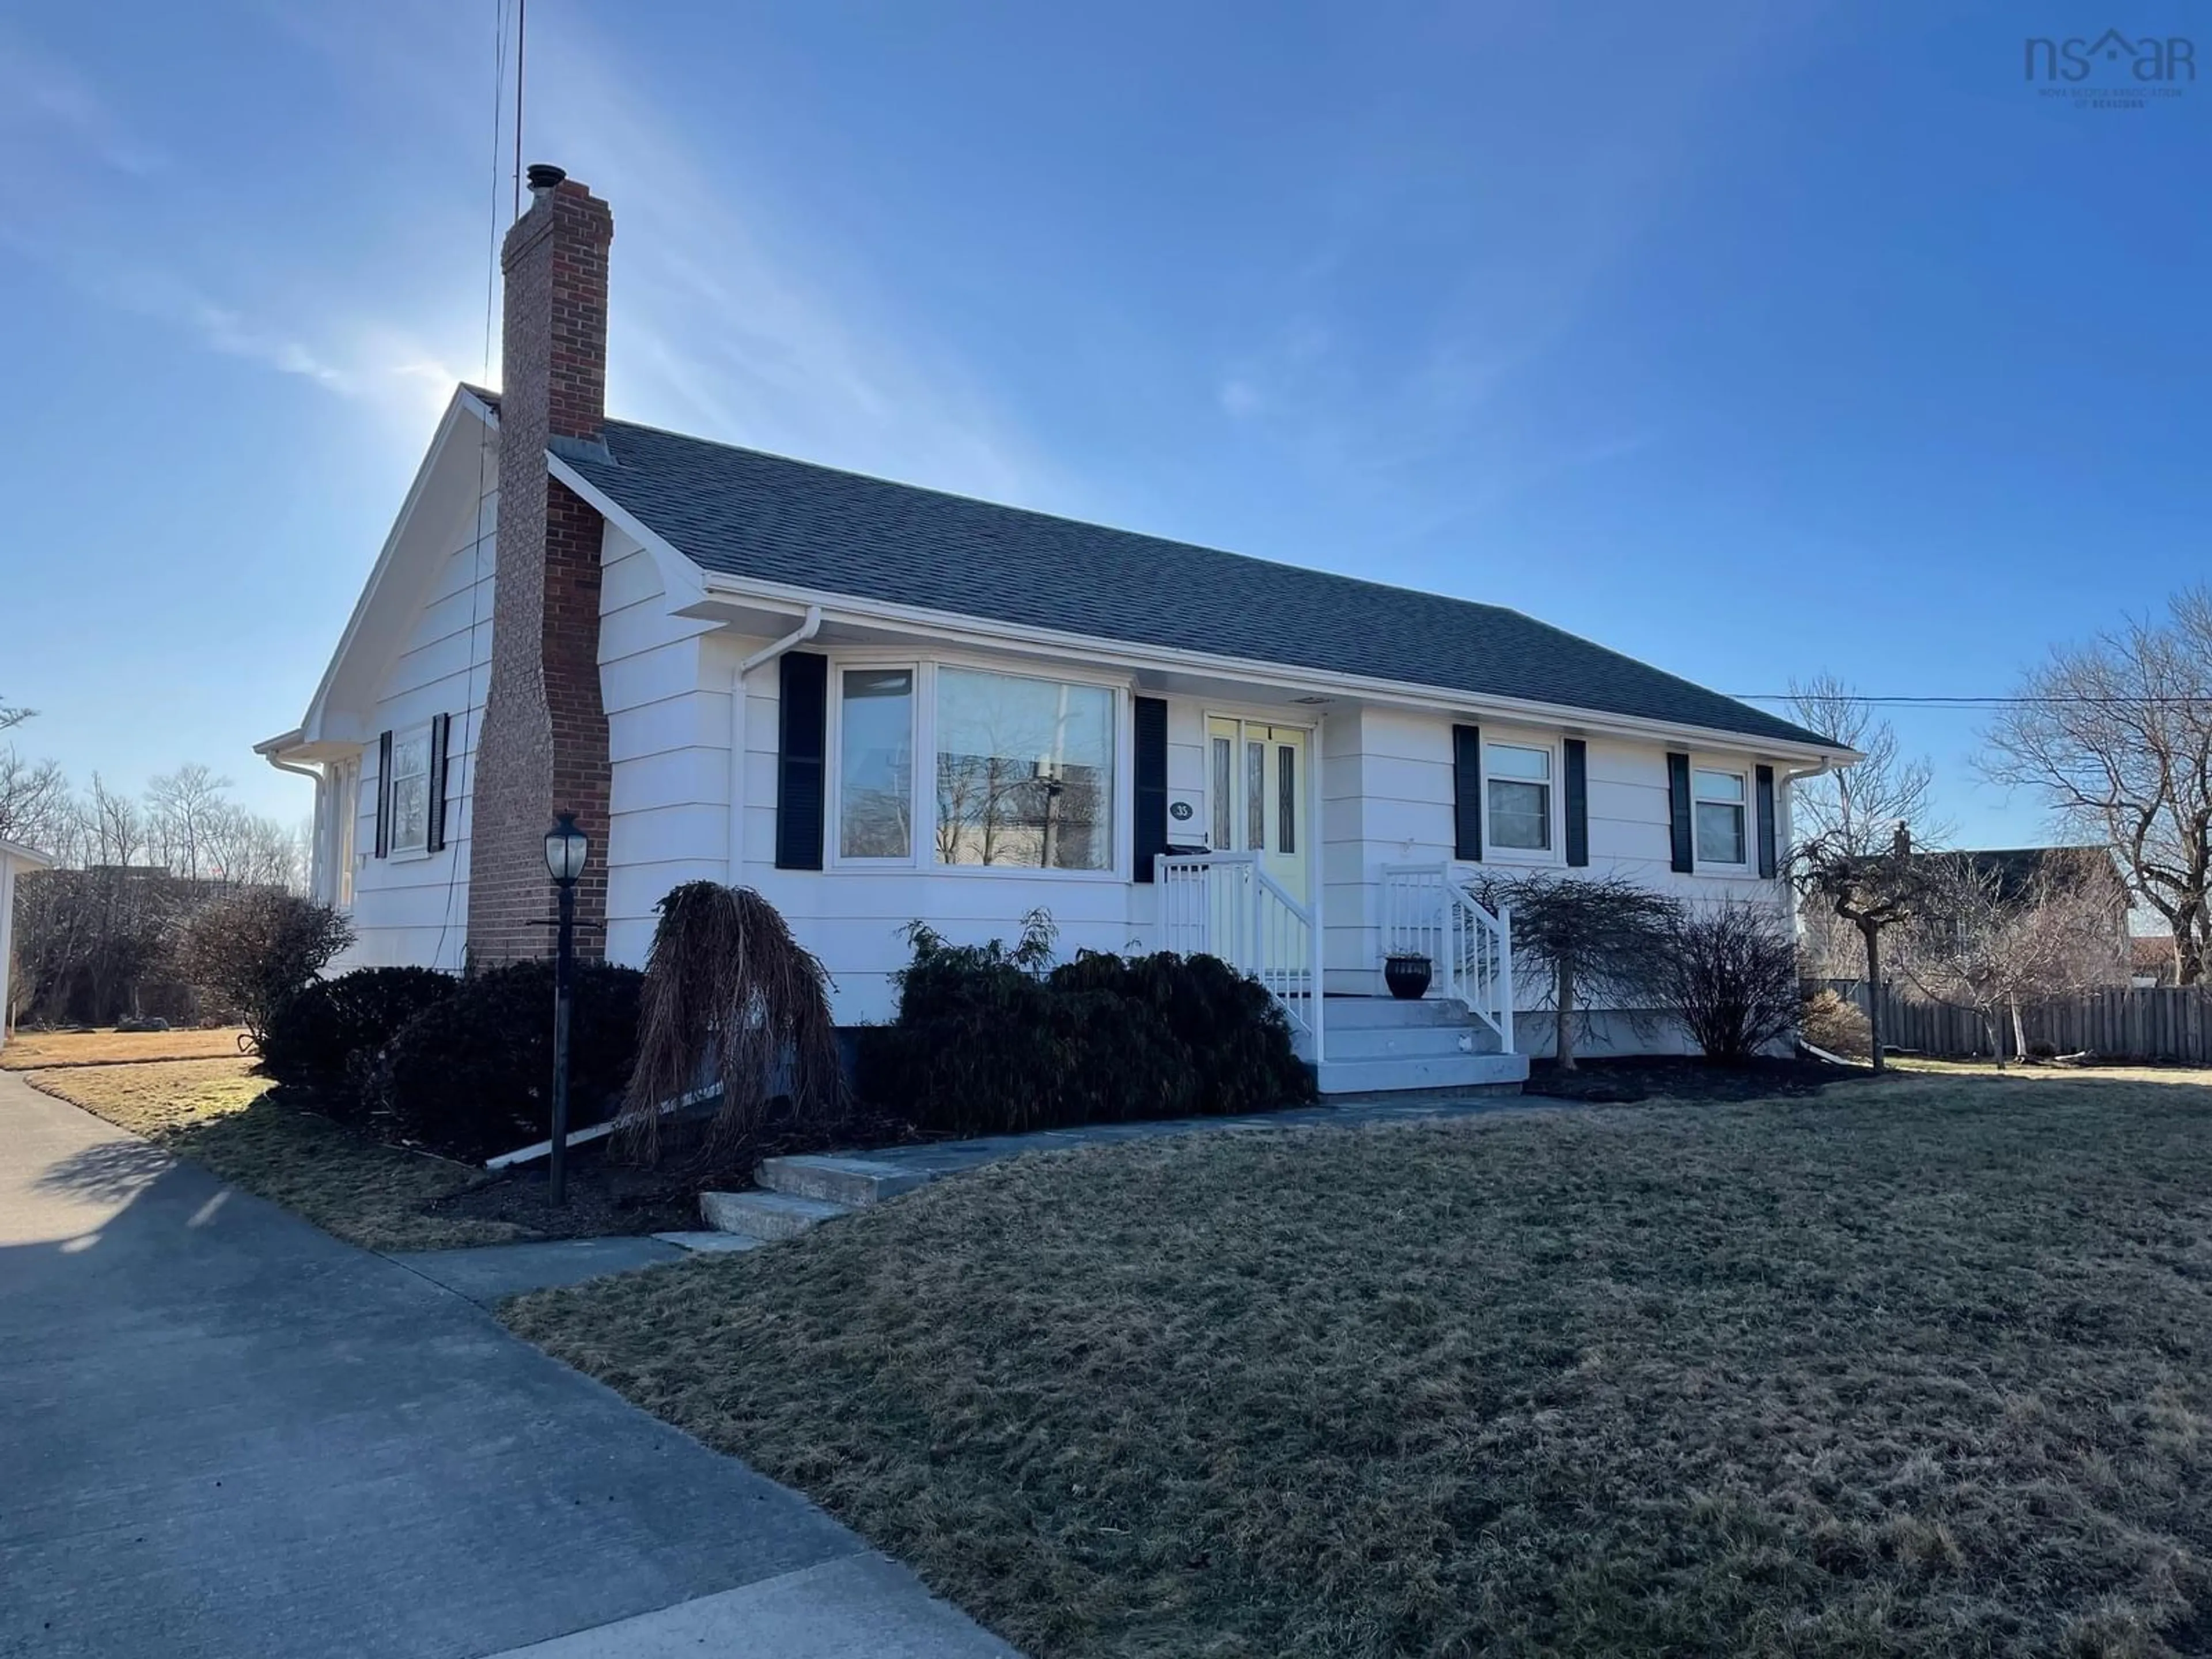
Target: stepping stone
(851, 1181)
(703, 1243)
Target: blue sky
(1751, 340)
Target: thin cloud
(45, 102)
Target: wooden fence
(2167, 1024)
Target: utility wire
(2060, 700)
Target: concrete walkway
(228, 1435)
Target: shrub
(1732, 979)
(1237, 1035)
(257, 948)
(730, 994)
(325, 1040)
(471, 1075)
(986, 1042)
(1830, 1022)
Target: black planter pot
(1406, 976)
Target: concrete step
(1365, 1077)
(766, 1216)
(857, 1181)
(1410, 1041)
(1366, 1014)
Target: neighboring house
(14, 859)
(2089, 875)
(878, 704)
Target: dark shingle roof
(2014, 870)
(749, 515)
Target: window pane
(1024, 772)
(1520, 816)
(1720, 833)
(1720, 786)
(411, 810)
(1509, 761)
(411, 756)
(875, 776)
(1287, 797)
(1224, 759)
(1255, 796)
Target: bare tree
(114, 826)
(1854, 809)
(1998, 951)
(1593, 941)
(34, 795)
(1869, 891)
(10, 715)
(2116, 735)
(184, 812)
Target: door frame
(1311, 725)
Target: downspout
(809, 626)
(319, 854)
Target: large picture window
(1720, 799)
(875, 764)
(1518, 784)
(1024, 772)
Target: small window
(1720, 798)
(875, 764)
(1024, 772)
(411, 791)
(1518, 785)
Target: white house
(13, 858)
(878, 703)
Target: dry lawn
(32, 1051)
(217, 1114)
(1914, 1368)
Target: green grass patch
(1915, 1368)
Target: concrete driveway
(224, 1433)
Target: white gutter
(316, 858)
(809, 626)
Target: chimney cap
(543, 175)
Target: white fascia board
(680, 578)
(461, 406)
(25, 857)
(974, 631)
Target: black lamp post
(566, 848)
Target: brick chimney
(543, 747)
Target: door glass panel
(1256, 795)
(1224, 781)
(1287, 802)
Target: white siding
(668, 739)
(415, 909)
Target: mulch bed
(1624, 1082)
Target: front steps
(1379, 1045)
(798, 1193)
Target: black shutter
(1466, 792)
(1577, 802)
(1768, 863)
(440, 737)
(384, 794)
(800, 760)
(1150, 793)
(1677, 812)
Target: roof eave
(958, 627)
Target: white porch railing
(1226, 905)
(1427, 911)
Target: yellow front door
(1257, 794)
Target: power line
(2062, 700)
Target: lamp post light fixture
(566, 847)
